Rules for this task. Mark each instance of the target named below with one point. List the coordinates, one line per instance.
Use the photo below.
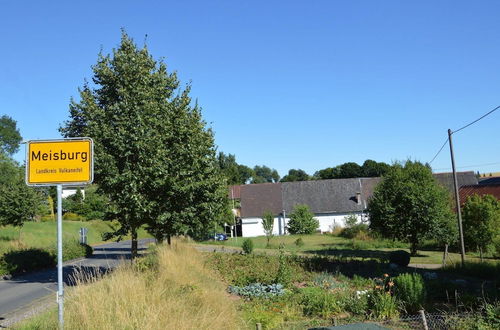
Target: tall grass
(180, 294)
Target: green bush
(247, 246)
(400, 258)
(354, 231)
(284, 273)
(302, 221)
(22, 261)
(327, 281)
(317, 302)
(383, 305)
(73, 250)
(410, 290)
(69, 216)
(47, 218)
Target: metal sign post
(68, 162)
(60, 286)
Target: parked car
(220, 237)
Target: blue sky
(288, 84)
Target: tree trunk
(169, 240)
(413, 248)
(133, 248)
(445, 254)
(481, 253)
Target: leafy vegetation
(247, 246)
(409, 204)
(410, 290)
(268, 225)
(302, 221)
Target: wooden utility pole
(457, 200)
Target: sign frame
(64, 183)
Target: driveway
(24, 295)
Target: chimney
(358, 198)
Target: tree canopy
(370, 168)
(264, 174)
(235, 173)
(408, 204)
(155, 157)
(481, 221)
(296, 175)
(10, 138)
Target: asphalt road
(18, 295)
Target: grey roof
(259, 198)
(490, 180)
(328, 196)
(463, 179)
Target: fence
(429, 321)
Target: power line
(468, 166)
(461, 128)
(475, 121)
(440, 149)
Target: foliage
(10, 138)
(318, 302)
(258, 290)
(18, 202)
(400, 258)
(482, 270)
(72, 249)
(383, 305)
(302, 221)
(408, 204)
(26, 260)
(481, 221)
(265, 174)
(410, 290)
(353, 228)
(284, 273)
(155, 158)
(244, 269)
(327, 281)
(70, 216)
(268, 224)
(235, 173)
(247, 246)
(92, 207)
(295, 175)
(370, 168)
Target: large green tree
(302, 220)
(296, 175)
(408, 204)
(481, 221)
(235, 173)
(155, 158)
(10, 138)
(18, 202)
(264, 174)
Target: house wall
(252, 227)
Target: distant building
(331, 201)
(480, 190)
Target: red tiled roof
(234, 192)
(466, 191)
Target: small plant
(247, 246)
(258, 290)
(400, 258)
(284, 274)
(410, 290)
(383, 305)
(327, 281)
(317, 302)
(268, 224)
(299, 242)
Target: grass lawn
(338, 246)
(43, 234)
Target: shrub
(357, 303)
(47, 218)
(354, 230)
(400, 258)
(21, 261)
(410, 290)
(383, 305)
(258, 290)
(299, 242)
(70, 216)
(73, 250)
(247, 246)
(317, 302)
(284, 273)
(302, 221)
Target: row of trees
(240, 174)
